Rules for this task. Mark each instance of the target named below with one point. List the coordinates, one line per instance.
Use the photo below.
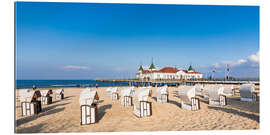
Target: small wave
(63, 85)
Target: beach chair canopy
(162, 90)
(228, 89)
(111, 89)
(206, 88)
(246, 90)
(108, 89)
(114, 90)
(214, 91)
(141, 94)
(127, 91)
(27, 95)
(59, 91)
(186, 93)
(45, 93)
(88, 96)
(198, 88)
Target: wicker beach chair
(228, 90)
(162, 94)
(247, 92)
(216, 95)
(45, 97)
(88, 107)
(29, 102)
(205, 89)
(126, 96)
(198, 89)
(188, 99)
(59, 94)
(142, 107)
(114, 95)
(108, 91)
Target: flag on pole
(227, 67)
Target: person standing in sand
(96, 85)
(34, 87)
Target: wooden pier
(170, 83)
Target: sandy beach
(64, 115)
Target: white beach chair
(188, 99)
(59, 94)
(45, 97)
(29, 103)
(114, 94)
(228, 90)
(247, 92)
(216, 96)
(126, 96)
(142, 107)
(205, 90)
(88, 107)
(162, 94)
(108, 91)
(198, 89)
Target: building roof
(169, 70)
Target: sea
(24, 84)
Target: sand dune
(64, 116)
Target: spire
(152, 66)
(141, 68)
(190, 68)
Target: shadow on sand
(46, 111)
(33, 129)
(243, 114)
(102, 109)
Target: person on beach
(34, 87)
(96, 85)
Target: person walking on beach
(96, 85)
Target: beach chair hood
(162, 90)
(215, 91)
(186, 93)
(27, 95)
(45, 93)
(246, 90)
(141, 94)
(59, 91)
(198, 89)
(228, 89)
(88, 96)
(114, 90)
(127, 92)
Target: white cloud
(75, 67)
(255, 57)
(247, 67)
(251, 60)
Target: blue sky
(87, 40)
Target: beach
(64, 115)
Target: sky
(94, 40)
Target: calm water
(20, 84)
